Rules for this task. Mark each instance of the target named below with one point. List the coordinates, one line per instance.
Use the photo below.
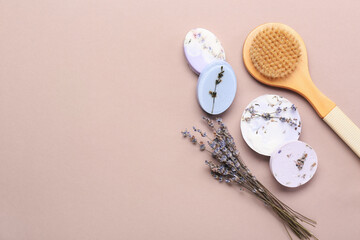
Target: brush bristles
(275, 52)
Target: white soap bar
(268, 122)
(293, 164)
(202, 47)
(215, 94)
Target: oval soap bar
(216, 87)
(293, 164)
(202, 47)
(268, 122)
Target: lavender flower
(217, 82)
(229, 167)
(278, 110)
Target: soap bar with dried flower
(216, 87)
(202, 47)
(293, 164)
(268, 122)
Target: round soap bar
(293, 164)
(216, 87)
(201, 48)
(268, 122)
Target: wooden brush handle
(344, 128)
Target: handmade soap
(202, 47)
(268, 122)
(216, 87)
(293, 164)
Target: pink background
(94, 94)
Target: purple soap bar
(202, 47)
(293, 164)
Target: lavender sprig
(217, 82)
(272, 116)
(230, 168)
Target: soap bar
(293, 164)
(216, 87)
(268, 122)
(202, 47)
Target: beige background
(94, 94)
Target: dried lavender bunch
(230, 168)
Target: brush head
(278, 58)
(275, 52)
